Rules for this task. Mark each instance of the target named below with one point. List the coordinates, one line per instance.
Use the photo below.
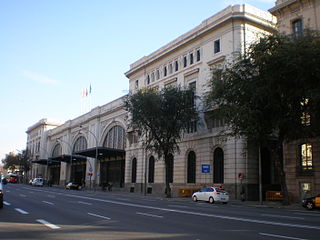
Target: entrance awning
(46, 162)
(67, 157)
(102, 152)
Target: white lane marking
(8, 191)
(85, 203)
(21, 211)
(149, 200)
(308, 214)
(195, 213)
(149, 215)
(50, 203)
(22, 195)
(49, 225)
(179, 206)
(281, 216)
(96, 215)
(281, 236)
(6, 203)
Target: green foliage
(272, 92)
(267, 91)
(13, 161)
(161, 116)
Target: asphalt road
(53, 213)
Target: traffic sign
(205, 168)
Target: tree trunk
(168, 189)
(282, 174)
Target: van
(37, 182)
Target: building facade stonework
(98, 148)
(187, 62)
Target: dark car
(4, 181)
(73, 186)
(1, 195)
(311, 202)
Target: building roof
(236, 11)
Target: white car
(37, 182)
(211, 195)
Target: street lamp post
(96, 157)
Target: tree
(12, 161)
(271, 92)
(160, 118)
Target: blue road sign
(205, 168)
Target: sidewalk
(256, 204)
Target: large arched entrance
(218, 166)
(55, 166)
(78, 167)
(112, 166)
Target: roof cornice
(243, 11)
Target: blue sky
(50, 50)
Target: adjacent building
(302, 157)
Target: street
(53, 213)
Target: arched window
(191, 177)
(80, 144)
(218, 166)
(134, 171)
(151, 170)
(57, 150)
(116, 138)
(170, 168)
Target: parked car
(37, 182)
(211, 195)
(1, 195)
(13, 178)
(311, 202)
(4, 180)
(73, 186)
(30, 181)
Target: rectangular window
(184, 61)
(137, 84)
(176, 64)
(170, 68)
(157, 74)
(297, 28)
(191, 58)
(165, 71)
(198, 55)
(217, 46)
(306, 157)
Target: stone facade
(186, 61)
(294, 16)
(36, 140)
(207, 155)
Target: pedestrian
(83, 184)
(110, 186)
